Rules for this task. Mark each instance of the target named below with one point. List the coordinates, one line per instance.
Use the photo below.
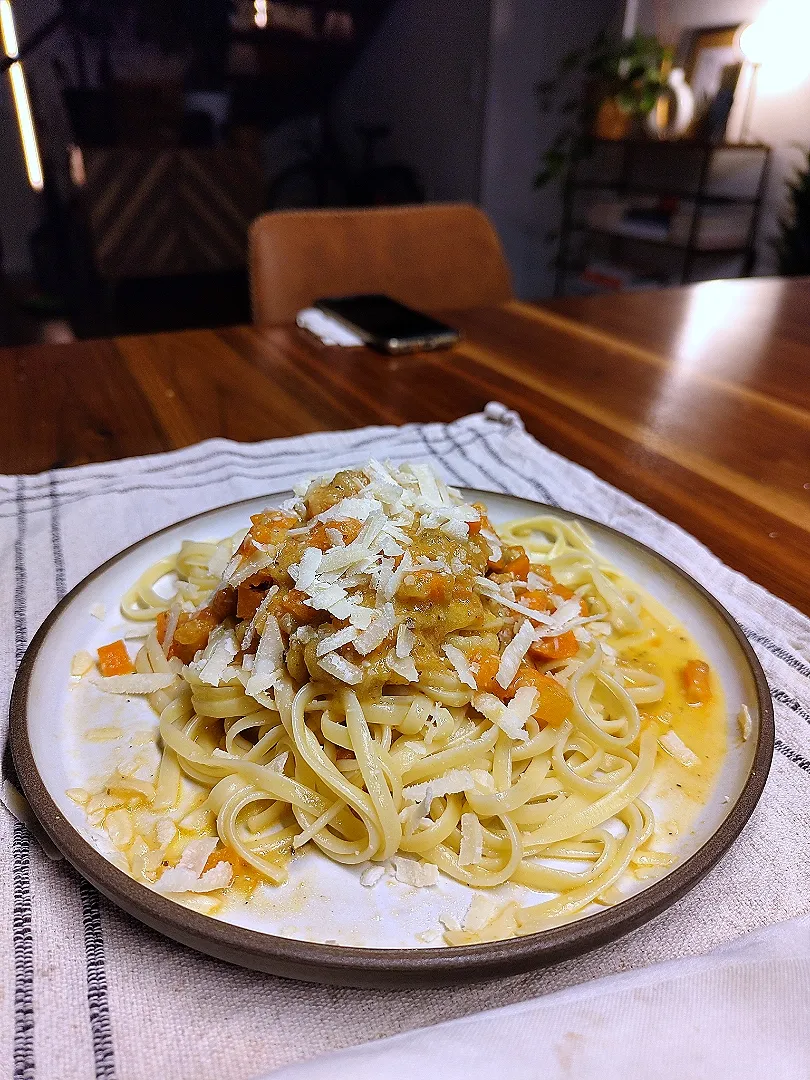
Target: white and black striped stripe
(39, 499)
(779, 651)
(97, 1001)
(792, 755)
(21, 925)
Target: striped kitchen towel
(85, 991)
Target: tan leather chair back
(435, 257)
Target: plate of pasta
(378, 730)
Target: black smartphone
(388, 325)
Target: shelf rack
(699, 195)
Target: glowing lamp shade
(22, 103)
(260, 13)
(777, 42)
(7, 30)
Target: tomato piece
(696, 677)
(113, 659)
(555, 703)
(562, 647)
(247, 601)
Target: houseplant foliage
(793, 243)
(626, 75)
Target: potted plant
(602, 90)
(793, 243)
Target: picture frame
(713, 63)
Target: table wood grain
(695, 401)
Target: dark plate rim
(350, 965)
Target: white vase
(681, 108)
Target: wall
(781, 111)
(528, 38)
(456, 83)
(424, 75)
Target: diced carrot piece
(562, 647)
(192, 634)
(475, 527)
(270, 526)
(161, 622)
(349, 529)
(555, 703)
(247, 602)
(485, 666)
(513, 560)
(292, 603)
(697, 685)
(427, 585)
(113, 659)
(342, 754)
(537, 600)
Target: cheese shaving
(403, 666)
(269, 658)
(378, 631)
(81, 663)
(334, 664)
(461, 665)
(372, 875)
(478, 914)
(419, 875)
(745, 722)
(135, 684)
(513, 654)
(336, 640)
(678, 749)
(453, 782)
(304, 573)
(405, 641)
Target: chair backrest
(439, 257)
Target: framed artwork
(710, 50)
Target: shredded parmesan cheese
(81, 663)
(345, 670)
(514, 653)
(461, 665)
(745, 722)
(420, 875)
(678, 749)
(135, 684)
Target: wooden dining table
(694, 400)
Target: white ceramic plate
(323, 924)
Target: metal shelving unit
(624, 186)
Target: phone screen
(383, 319)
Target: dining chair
(436, 257)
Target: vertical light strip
(260, 13)
(22, 103)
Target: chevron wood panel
(152, 212)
